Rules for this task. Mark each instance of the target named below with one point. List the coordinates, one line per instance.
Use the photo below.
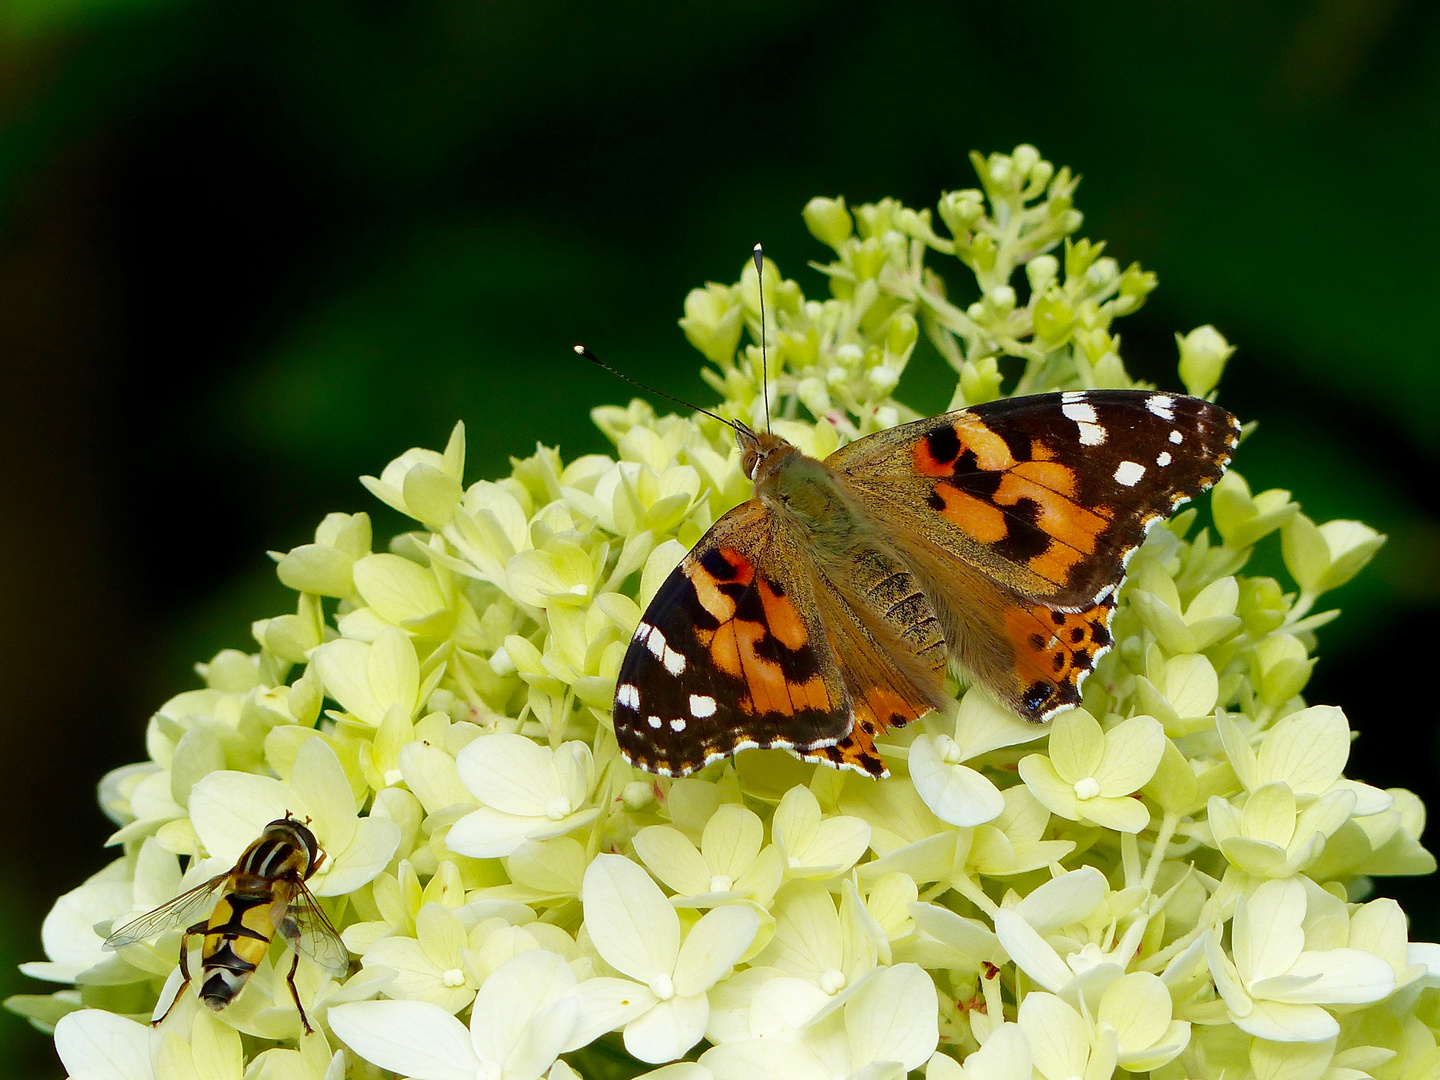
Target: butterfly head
(762, 453)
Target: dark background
(251, 251)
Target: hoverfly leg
(198, 928)
(295, 995)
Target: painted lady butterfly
(825, 609)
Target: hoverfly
(264, 894)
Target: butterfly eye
(750, 464)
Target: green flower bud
(1242, 519)
(960, 210)
(1053, 318)
(1203, 353)
(1326, 557)
(1079, 254)
(979, 382)
(712, 322)
(1280, 668)
(1262, 605)
(1040, 272)
(828, 220)
(901, 334)
(1135, 286)
(869, 259)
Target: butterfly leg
(198, 928)
(295, 995)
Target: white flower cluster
(1168, 880)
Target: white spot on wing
(641, 631)
(1163, 459)
(1128, 473)
(628, 695)
(701, 706)
(1078, 411)
(1162, 405)
(1071, 397)
(674, 662)
(677, 725)
(653, 721)
(1091, 435)
(1176, 438)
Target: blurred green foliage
(226, 226)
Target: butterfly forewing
(185, 910)
(730, 654)
(1047, 494)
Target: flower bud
(979, 381)
(901, 334)
(1280, 668)
(1203, 353)
(1041, 271)
(1053, 318)
(1261, 605)
(1326, 557)
(960, 210)
(712, 322)
(828, 220)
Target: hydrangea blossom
(1170, 879)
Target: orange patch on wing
(1044, 642)
(783, 617)
(991, 451)
(926, 464)
(975, 517)
(884, 708)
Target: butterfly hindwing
(1046, 494)
(730, 654)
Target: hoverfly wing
(184, 910)
(308, 931)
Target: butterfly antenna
(581, 350)
(764, 359)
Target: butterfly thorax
(802, 493)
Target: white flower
(1275, 986)
(525, 1015)
(814, 848)
(637, 932)
(815, 942)
(730, 863)
(955, 792)
(230, 810)
(528, 792)
(1090, 772)
(887, 1027)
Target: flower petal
(631, 924)
(714, 945)
(605, 1005)
(230, 810)
(894, 1017)
(414, 1038)
(513, 1018)
(1059, 1038)
(954, 793)
(509, 773)
(98, 1045)
(668, 1030)
(371, 849)
(319, 774)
